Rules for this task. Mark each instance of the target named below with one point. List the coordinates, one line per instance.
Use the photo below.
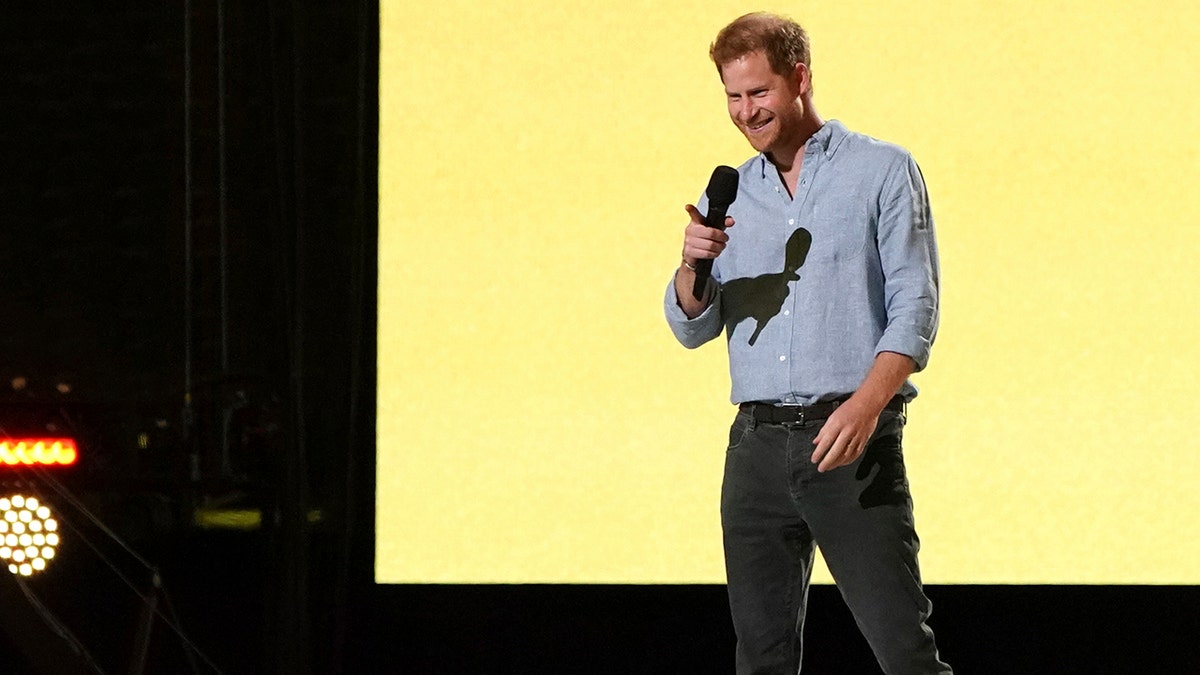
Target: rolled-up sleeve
(692, 333)
(908, 253)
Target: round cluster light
(28, 534)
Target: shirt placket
(793, 210)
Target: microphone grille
(722, 187)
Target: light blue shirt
(811, 288)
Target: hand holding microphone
(705, 238)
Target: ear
(802, 79)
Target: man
(826, 285)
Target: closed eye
(753, 93)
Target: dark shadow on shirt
(761, 298)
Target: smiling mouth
(757, 126)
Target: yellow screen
(537, 422)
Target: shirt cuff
(912, 345)
(694, 332)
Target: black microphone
(721, 191)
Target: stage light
(39, 451)
(28, 534)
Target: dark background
(187, 285)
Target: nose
(746, 110)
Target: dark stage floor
(220, 587)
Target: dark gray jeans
(775, 506)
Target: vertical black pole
(189, 416)
(294, 656)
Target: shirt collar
(827, 138)
(825, 141)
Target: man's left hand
(845, 435)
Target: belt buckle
(799, 411)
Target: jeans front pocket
(743, 424)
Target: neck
(791, 155)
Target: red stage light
(39, 451)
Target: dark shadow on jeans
(889, 484)
(761, 298)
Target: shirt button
(783, 358)
(791, 221)
(787, 312)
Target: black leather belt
(769, 413)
